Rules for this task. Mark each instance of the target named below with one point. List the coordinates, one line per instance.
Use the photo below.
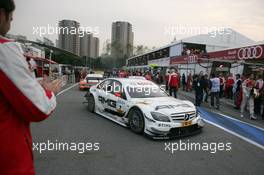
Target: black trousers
(215, 95)
(198, 97)
(174, 90)
(167, 86)
(221, 91)
(257, 105)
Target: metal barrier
(71, 78)
(66, 79)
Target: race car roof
(134, 82)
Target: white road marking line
(61, 92)
(241, 121)
(235, 134)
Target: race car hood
(165, 105)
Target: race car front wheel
(91, 103)
(136, 121)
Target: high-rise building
(89, 46)
(96, 49)
(122, 40)
(68, 36)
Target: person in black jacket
(207, 83)
(199, 88)
(236, 90)
(261, 92)
(183, 80)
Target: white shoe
(241, 115)
(252, 117)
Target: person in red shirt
(22, 100)
(229, 86)
(222, 82)
(189, 83)
(148, 76)
(167, 80)
(173, 83)
(122, 74)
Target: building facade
(122, 40)
(89, 46)
(68, 36)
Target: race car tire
(91, 103)
(136, 121)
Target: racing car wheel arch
(136, 120)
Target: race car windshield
(146, 92)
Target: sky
(155, 22)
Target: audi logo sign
(191, 58)
(249, 52)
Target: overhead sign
(237, 54)
(191, 59)
(243, 53)
(250, 52)
(160, 62)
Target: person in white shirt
(215, 90)
(248, 96)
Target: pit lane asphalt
(123, 152)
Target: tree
(140, 49)
(106, 48)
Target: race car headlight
(160, 117)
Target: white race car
(144, 107)
(137, 77)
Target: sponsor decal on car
(143, 103)
(171, 106)
(164, 125)
(119, 110)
